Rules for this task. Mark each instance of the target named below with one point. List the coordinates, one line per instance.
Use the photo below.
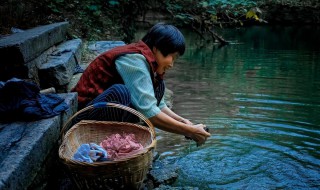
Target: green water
(260, 97)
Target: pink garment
(119, 146)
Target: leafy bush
(116, 19)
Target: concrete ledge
(59, 68)
(98, 47)
(29, 44)
(25, 146)
(18, 49)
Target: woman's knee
(120, 88)
(117, 93)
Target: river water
(260, 97)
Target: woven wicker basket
(126, 173)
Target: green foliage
(56, 5)
(105, 19)
(229, 11)
(203, 16)
(125, 12)
(113, 3)
(294, 3)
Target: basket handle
(114, 105)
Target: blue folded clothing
(90, 153)
(22, 100)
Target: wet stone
(99, 47)
(163, 173)
(18, 49)
(166, 187)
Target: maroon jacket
(102, 72)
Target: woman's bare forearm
(170, 124)
(172, 114)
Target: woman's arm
(167, 123)
(175, 116)
(135, 73)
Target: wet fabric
(78, 69)
(121, 146)
(21, 100)
(90, 153)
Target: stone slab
(34, 65)
(24, 146)
(20, 48)
(163, 173)
(60, 65)
(98, 47)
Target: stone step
(98, 47)
(18, 49)
(25, 146)
(59, 68)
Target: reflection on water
(260, 97)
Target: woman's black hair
(166, 38)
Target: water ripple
(261, 101)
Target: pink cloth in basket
(121, 146)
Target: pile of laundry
(113, 147)
(22, 100)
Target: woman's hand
(200, 135)
(181, 126)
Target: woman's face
(164, 63)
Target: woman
(132, 75)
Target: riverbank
(29, 149)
